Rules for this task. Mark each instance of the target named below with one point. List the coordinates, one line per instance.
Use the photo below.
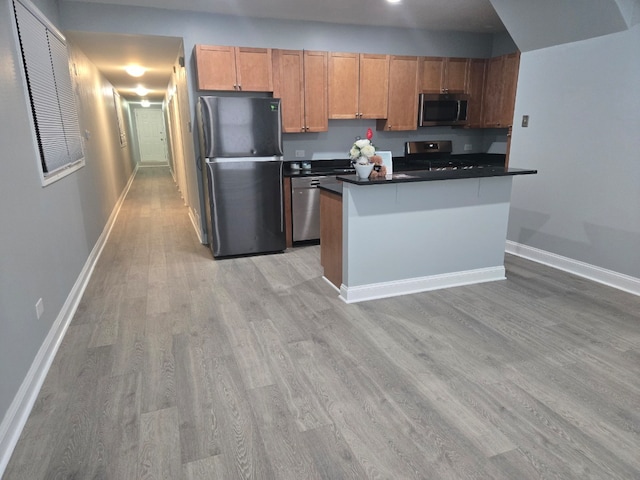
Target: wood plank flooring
(177, 366)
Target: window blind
(46, 64)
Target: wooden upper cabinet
(343, 84)
(374, 85)
(300, 81)
(432, 73)
(358, 85)
(492, 99)
(476, 90)
(216, 67)
(403, 94)
(315, 91)
(510, 67)
(254, 69)
(444, 75)
(457, 75)
(500, 90)
(234, 68)
(288, 85)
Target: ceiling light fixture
(394, 1)
(135, 70)
(145, 103)
(141, 91)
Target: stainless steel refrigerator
(241, 159)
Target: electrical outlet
(299, 153)
(467, 147)
(525, 120)
(39, 307)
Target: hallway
(177, 366)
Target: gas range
(455, 165)
(436, 155)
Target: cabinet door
(343, 85)
(432, 71)
(492, 100)
(315, 91)
(403, 94)
(476, 90)
(288, 69)
(511, 64)
(253, 68)
(374, 85)
(216, 67)
(456, 75)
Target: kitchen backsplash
(335, 143)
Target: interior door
(151, 133)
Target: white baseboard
(421, 284)
(195, 221)
(330, 283)
(597, 274)
(20, 408)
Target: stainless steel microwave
(442, 109)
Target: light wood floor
(177, 366)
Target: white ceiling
(111, 53)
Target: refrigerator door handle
(281, 198)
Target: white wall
(47, 233)
(583, 100)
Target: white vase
(363, 171)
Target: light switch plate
(300, 153)
(525, 120)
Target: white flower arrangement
(362, 151)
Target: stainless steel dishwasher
(305, 206)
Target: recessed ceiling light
(394, 1)
(135, 70)
(141, 91)
(145, 103)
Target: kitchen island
(415, 231)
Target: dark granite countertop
(343, 166)
(433, 175)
